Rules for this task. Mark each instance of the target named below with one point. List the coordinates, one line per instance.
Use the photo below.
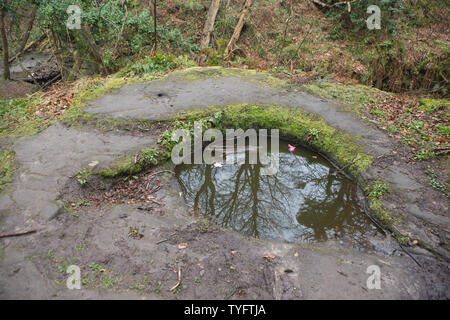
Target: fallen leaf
(93, 163)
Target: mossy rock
(122, 166)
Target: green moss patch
(7, 167)
(353, 97)
(196, 73)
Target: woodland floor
(126, 252)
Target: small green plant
(424, 154)
(149, 156)
(169, 139)
(403, 240)
(416, 126)
(217, 118)
(216, 57)
(135, 233)
(435, 183)
(151, 65)
(108, 281)
(82, 203)
(378, 189)
(96, 267)
(313, 133)
(445, 131)
(83, 176)
(205, 224)
(130, 179)
(378, 113)
(392, 129)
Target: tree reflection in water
(304, 202)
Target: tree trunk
(26, 36)
(6, 72)
(155, 32)
(95, 51)
(209, 24)
(237, 30)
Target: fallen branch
(159, 172)
(238, 28)
(179, 280)
(17, 234)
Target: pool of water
(306, 201)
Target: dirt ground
(128, 251)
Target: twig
(158, 203)
(410, 255)
(161, 241)
(17, 234)
(159, 172)
(179, 280)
